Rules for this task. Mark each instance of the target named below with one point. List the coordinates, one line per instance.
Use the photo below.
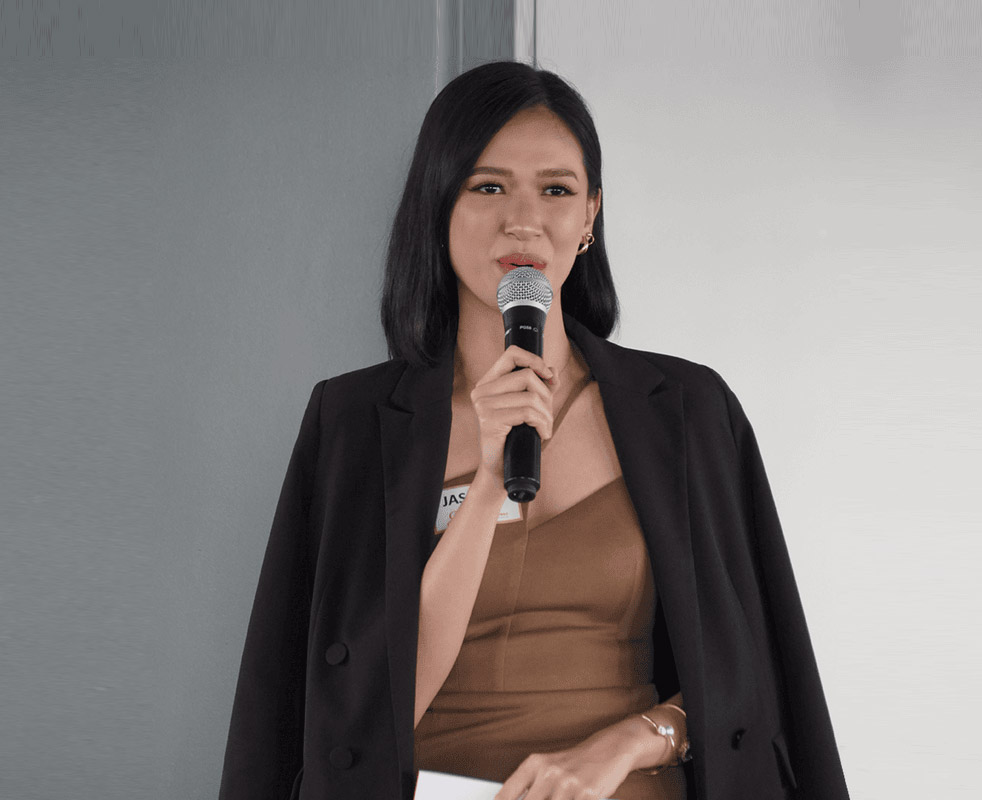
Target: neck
(481, 340)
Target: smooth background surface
(793, 196)
(187, 245)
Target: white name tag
(453, 496)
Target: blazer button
(737, 736)
(336, 653)
(341, 757)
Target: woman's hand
(593, 769)
(504, 398)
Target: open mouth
(521, 259)
(510, 264)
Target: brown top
(558, 646)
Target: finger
(505, 414)
(570, 788)
(530, 408)
(544, 787)
(524, 380)
(515, 356)
(519, 781)
(551, 786)
(487, 399)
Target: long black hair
(419, 294)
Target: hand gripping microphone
(524, 297)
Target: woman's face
(525, 202)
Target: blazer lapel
(644, 412)
(415, 436)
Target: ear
(592, 207)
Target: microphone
(524, 297)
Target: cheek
(467, 229)
(570, 222)
(466, 218)
(463, 238)
(569, 232)
(457, 235)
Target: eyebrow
(555, 172)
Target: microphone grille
(524, 286)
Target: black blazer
(325, 697)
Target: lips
(513, 260)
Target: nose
(522, 218)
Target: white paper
(444, 786)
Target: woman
(634, 632)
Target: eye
(559, 190)
(487, 188)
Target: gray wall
(193, 220)
(186, 246)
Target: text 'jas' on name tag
(453, 496)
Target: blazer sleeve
(264, 751)
(809, 743)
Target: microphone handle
(523, 446)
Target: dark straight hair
(419, 294)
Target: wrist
(635, 738)
(666, 725)
(489, 485)
(622, 742)
(651, 750)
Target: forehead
(534, 135)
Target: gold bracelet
(683, 754)
(668, 731)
